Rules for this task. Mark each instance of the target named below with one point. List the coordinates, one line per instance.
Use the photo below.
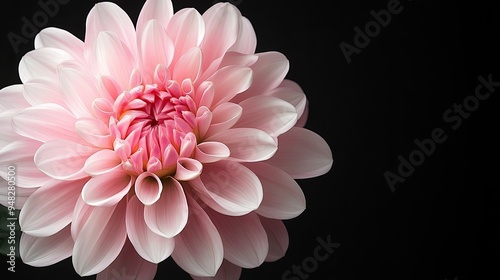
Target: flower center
(152, 123)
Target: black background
(442, 222)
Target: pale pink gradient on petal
(172, 137)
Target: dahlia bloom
(168, 138)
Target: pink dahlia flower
(170, 138)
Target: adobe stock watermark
(11, 220)
(363, 37)
(453, 117)
(309, 265)
(39, 19)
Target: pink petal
(78, 89)
(11, 97)
(188, 66)
(198, 248)
(229, 81)
(270, 114)
(224, 117)
(46, 122)
(94, 131)
(268, 73)
(244, 239)
(160, 10)
(109, 17)
(50, 208)
(148, 188)
(63, 159)
(20, 154)
(128, 265)
(229, 188)
(169, 215)
(149, 245)
(45, 251)
(247, 40)
(22, 194)
(107, 189)
(186, 28)
(187, 169)
(41, 63)
(227, 271)
(302, 154)
(277, 236)
(60, 39)
(247, 144)
(238, 59)
(222, 27)
(7, 133)
(291, 93)
(110, 57)
(39, 91)
(102, 162)
(155, 47)
(283, 197)
(208, 152)
(100, 239)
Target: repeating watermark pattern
(11, 220)
(363, 37)
(453, 117)
(310, 264)
(40, 19)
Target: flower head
(168, 138)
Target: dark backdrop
(441, 222)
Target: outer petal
(63, 159)
(229, 188)
(100, 240)
(11, 97)
(149, 245)
(247, 41)
(160, 10)
(186, 28)
(46, 122)
(244, 238)
(222, 26)
(41, 63)
(50, 208)
(230, 81)
(270, 114)
(107, 16)
(102, 162)
(128, 265)
(302, 154)
(20, 154)
(7, 134)
(60, 39)
(227, 271)
(198, 248)
(155, 47)
(39, 91)
(247, 144)
(283, 197)
(278, 238)
(169, 215)
(22, 194)
(45, 251)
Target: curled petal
(45, 251)
(102, 162)
(149, 245)
(94, 132)
(168, 216)
(188, 169)
(107, 189)
(247, 144)
(208, 152)
(229, 188)
(224, 117)
(148, 188)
